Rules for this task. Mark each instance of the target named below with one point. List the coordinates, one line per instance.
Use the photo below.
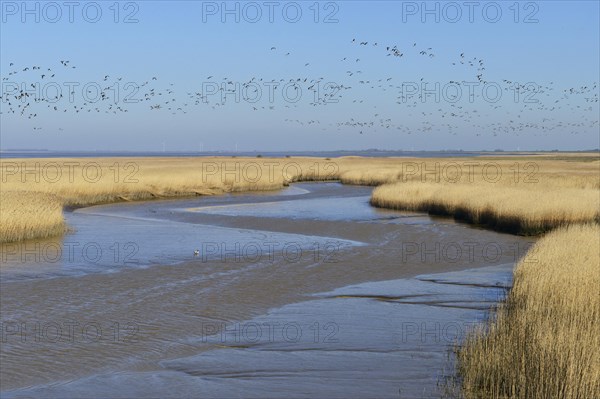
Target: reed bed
(543, 341)
(518, 210)
(527, 198)
(25, 215)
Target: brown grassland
(543, 340)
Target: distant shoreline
(371, 153)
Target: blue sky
(552, 45)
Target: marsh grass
(543, 341)
(517, 210)
(25, 214)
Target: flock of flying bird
(406, 106)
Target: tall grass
(25, 215)
(544, 341)
(519, 210)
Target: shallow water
(299, 293)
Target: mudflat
(371, 293)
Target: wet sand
(329, 264)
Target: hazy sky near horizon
(300, 75)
